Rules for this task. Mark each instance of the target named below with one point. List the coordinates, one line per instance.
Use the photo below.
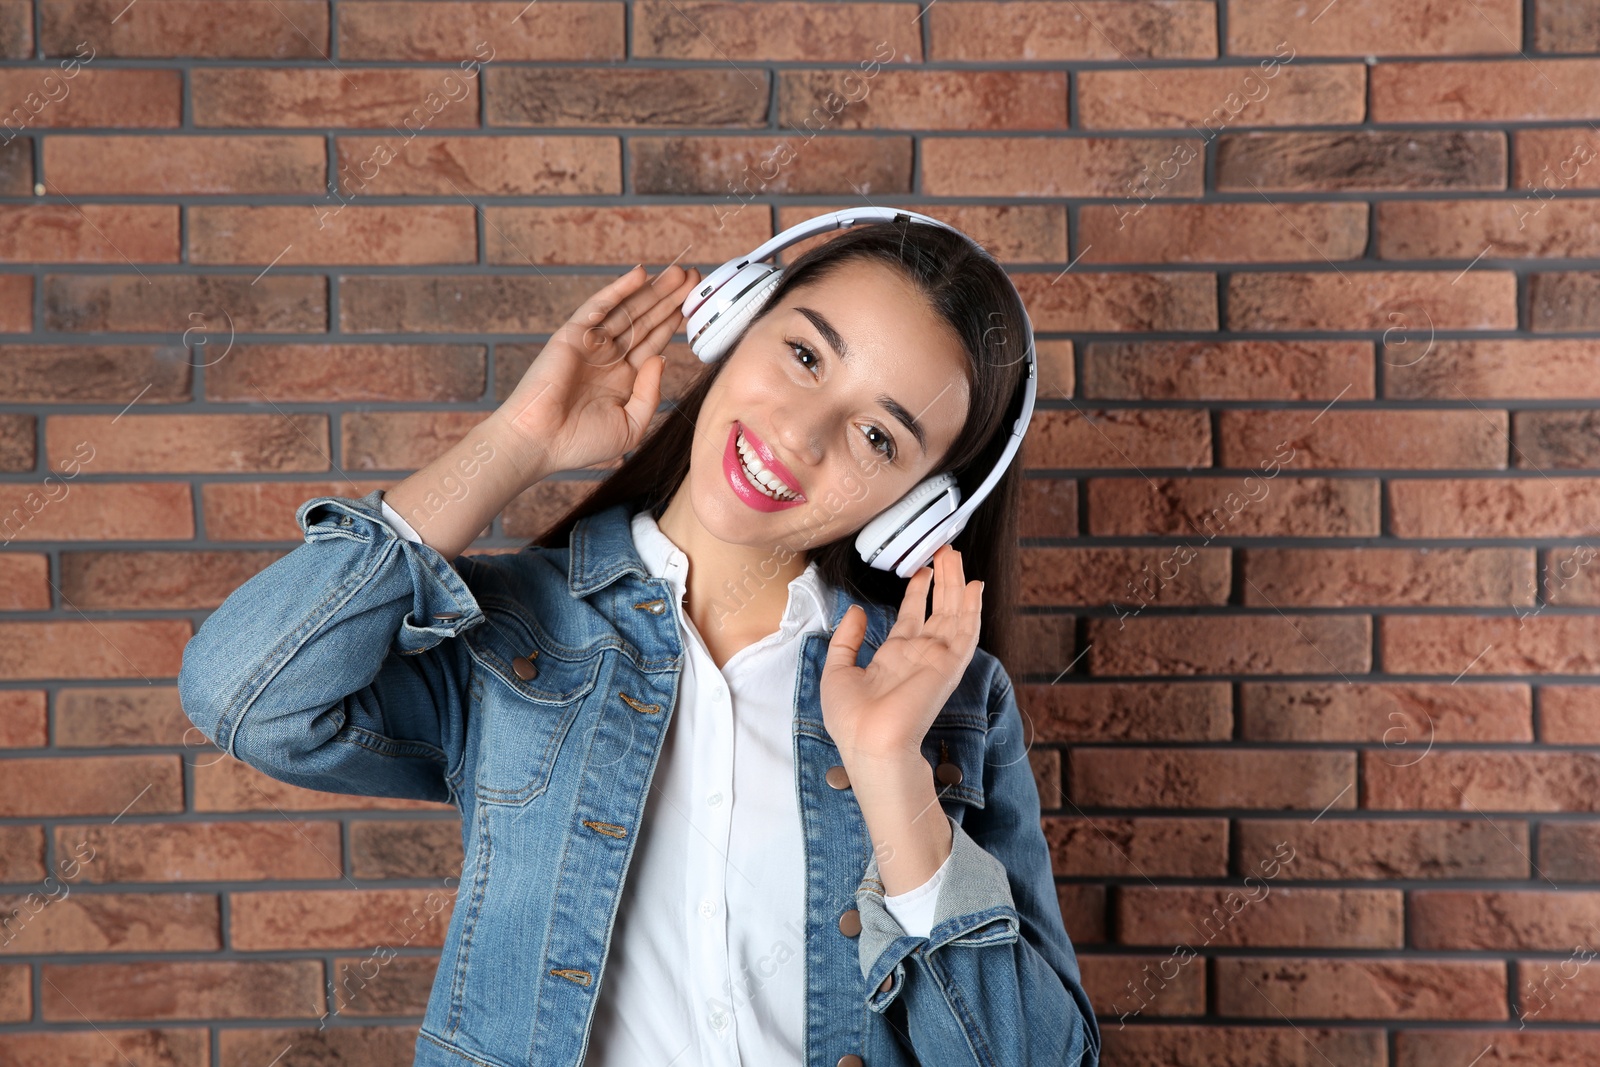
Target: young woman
(721, 802)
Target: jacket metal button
(850, 1059)
(850, 923)
(838, 777)
(947, 774)
(888, 980)
(524, 668)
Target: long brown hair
(969, 290)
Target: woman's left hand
(882, 711)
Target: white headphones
(905, 536)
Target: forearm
(454, 498)
(900, 804)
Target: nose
(799, 435)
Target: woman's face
(822, 402)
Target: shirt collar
(809, 598)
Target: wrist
(528, 455)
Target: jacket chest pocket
(955, 755)
(529, 700)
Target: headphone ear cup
(885, 540)
(715, 340)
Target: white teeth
(759, 475)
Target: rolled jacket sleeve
(994, 981)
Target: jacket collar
(602, 550)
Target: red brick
(1044, 644)
(503, 165)
(1381, 850)
(1553, 440)
(1504, 920)
(197, 443)
(16, 29)
(1361, 989)
(1211, 778)
(154, 165)
(1495, 507)
(1092, 303)
(1557, 990)
(108, 1047)
(405, 849)
(1129, 576)
(986, 100)
(264, 511)
(711, 166)
(1090, 29)
(1119, 437)
(402, 440)
(1494, 1048)
(346, 97)
(87, 374)
(16, 1003)
(121, 511)
(101, 785)
(460, 303)
(1355, 577)
(117, 98)
(71, 648)
(111, 922)
(24, 722)
(1153, 987)
(1361, 161)
(140, 580)
(1569, 715)
(482, 32)
(334, 373)
(352, 1045)
(402, 987)
(1497, 90)
(1570, 851)
(183, 989)
(1260, 914)
(1210, 99)
(1083, 911)
(17, 436)
(114, 716)
(1212, 233)
(722, 97)
(1049, 508)
(229, 784)
(211, 308)
(297, 29)
(1563, 301)
(1496, 370)
(1462, 229)
(1373, 300)
(1257, 644)
(24, 582)
(89, 233)
(1227, 370)
(1276, 1045)
(320, 233)
(1200, 509)
(1405, 717)
(1373, 27)
(1554, 160)
(757, 32)
(1062, 166)
(1479, 782)
(1138, 848)
(339, 918)
(1368, 439)
(1432, 644)
(537, 508)
(648, 233)
(1128, 711)
(16, 303)
(205, 851)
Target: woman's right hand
(589, 395)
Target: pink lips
(733, 470)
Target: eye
(875, 436)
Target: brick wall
(1309, 603)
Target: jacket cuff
(442, 605)
(974, 908)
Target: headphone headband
(905, 536)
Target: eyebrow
(891, 405)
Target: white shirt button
(708, 908)
(714, 800)
(719, 1020)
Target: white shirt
(707, 958)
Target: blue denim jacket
(533, 691)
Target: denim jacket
(533, 691)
